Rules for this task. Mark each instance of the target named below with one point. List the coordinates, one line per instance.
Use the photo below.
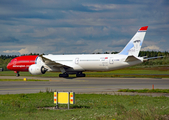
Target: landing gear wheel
(80, 74)
(65, 75)
(17, 74)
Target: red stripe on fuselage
(22, 63)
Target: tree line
(141, 54)
(153, 53)
(146, 53)
(14, 56)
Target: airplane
(77, 64)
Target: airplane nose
(8, 66)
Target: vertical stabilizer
(134, 45)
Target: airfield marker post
(55, 99)
(68, 99)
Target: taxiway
(79, 85)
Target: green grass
(145, 90)
(131, 72)
(87, 106)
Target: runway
(78, 85)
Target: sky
(81, 26)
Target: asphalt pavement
(82, 85)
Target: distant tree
(106, 52)
(114, 52)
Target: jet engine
(36, 69)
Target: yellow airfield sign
(64, 97)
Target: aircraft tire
(17, 75)
(64, 75)
(80, 75)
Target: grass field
(87, 106)
(137, 71)
(145, 90)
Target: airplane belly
(100, 66)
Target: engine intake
(36, 69)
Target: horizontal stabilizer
(131, 58)
(146, 59)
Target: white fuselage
(91, 62)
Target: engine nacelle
(36, 69)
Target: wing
(49, 62)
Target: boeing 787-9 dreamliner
(77, 64)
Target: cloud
(10, 51)
(8, 39)
(150, 48)
(99, 7)
(98, 51)
(33, 49)
(78, 26)
(81, 43)
(26, 50)
(118, 43)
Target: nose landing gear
(17, 73)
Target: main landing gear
(78, 74)
(65, 75)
